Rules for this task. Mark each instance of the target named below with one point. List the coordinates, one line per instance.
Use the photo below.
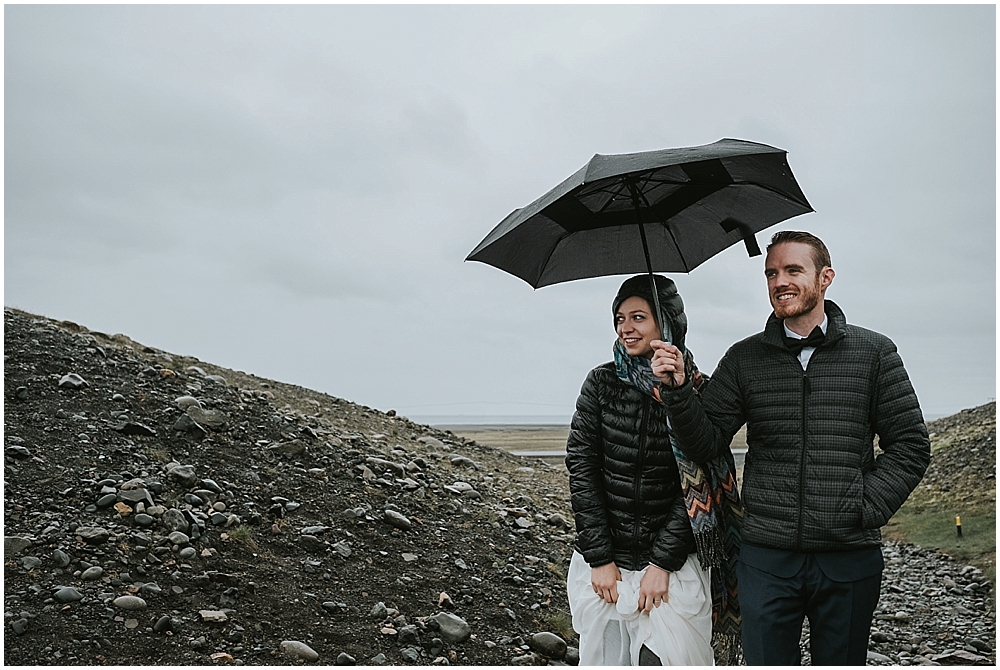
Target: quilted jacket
(811, 479)
(623, 478)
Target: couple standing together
(669, 561)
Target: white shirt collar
(790, 333)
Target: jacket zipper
(638, 476)
(802, 459)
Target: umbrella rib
(673, 239)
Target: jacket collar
(835, 328)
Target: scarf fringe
(711, 548)
(728, 649)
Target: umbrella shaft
(660, 316)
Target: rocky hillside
(162, 510)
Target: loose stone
(30, 562)
(92, 574)
(345, 659)
(397, 520)
(72, 381)
(548, 644)
(453, 628)
(93, 534)
(133, 603)
(68, 594)
(186, 401)
(298, 650)
(17, 451)
(179, 538)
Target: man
(813, 392)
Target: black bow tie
(796, 345)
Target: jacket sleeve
(585, 462)
(704, 430)
(906, 449)
(672, 545)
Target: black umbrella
(679, 207)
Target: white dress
(679, 631)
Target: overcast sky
(291, 191)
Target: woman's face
(636, 326)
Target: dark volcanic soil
(283, 512)
(168, 511)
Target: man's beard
(807, 300)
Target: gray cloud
(291, 190)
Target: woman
(649, 522)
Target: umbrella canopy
(655, 211)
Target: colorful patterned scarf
(714, 508)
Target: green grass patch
(932, 526)
(561, 623)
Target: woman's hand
(653, 588)
(605, 580)
(667, 363)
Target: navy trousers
(838, 591)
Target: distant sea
(517, 419)
(490, 419)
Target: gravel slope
(163, 510)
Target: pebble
(68, 594)
(132, 603)
(379, 612)
(30, 562)
(179, 538)
(174, 520)
(379, 659)
(92, 574)
(454, 629)
(557, 520)
(186, 401)
(20, 626)
(93, 534)
(343, 658)
(72, 381)
(60, 558)
(343, 548)
(15, 545)
(187, 553)
(152, 588)
(548, 644)
(311, 543)
(298, 650)
(144, 520)
(136, 429)
(397, 520)
(209, 418)
(410, 654)
(213, 616)
(186, 424)
(17, 451)
(184, 474)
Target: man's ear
(826, 276)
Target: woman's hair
(670, 302)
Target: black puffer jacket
(623, 478)
(811, 481)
